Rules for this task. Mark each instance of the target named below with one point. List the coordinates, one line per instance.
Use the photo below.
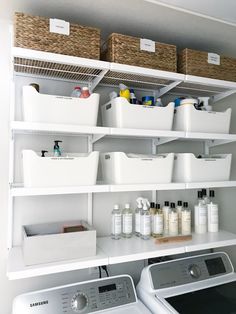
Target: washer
(203, 284)
(114, 295)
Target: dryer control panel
(84, 297)
(188, 270)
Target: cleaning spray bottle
(124, 91)
(57, 150)
(145, 221)
(137, 216)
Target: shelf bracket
(167, 88)
(223, 95)
(159, 141)
(213, 143)
(96, 137)
(97, 80)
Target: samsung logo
(38, 303)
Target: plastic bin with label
(43, 243)
(59, 109)
(188, 168)
(70, 170)
(122, 168)
(188, 118)
(119, 113)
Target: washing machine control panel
(87, 297)
(188, 270)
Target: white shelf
(118, 251)
(210, 240)
(33, 127)
(216, 184)
(51, 65)
(146, 187)
(128, 250)
(22, 191)
(17, 269)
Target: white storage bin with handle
(59, 109)
(121, 168)
(188, 168)
(71, 170)
(119, 113)
(188, 118)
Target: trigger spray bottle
(145, 221)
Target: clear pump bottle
(116, 223)
(205, 197)
(145, 221)
(179, 208)
(152, 211)
(127, 221)
(173, 220)
(186, 220)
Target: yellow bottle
(124, 92)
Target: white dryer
(203, 284)
(113, 295)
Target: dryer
(113, 295)
(203, 284)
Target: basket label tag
(59, 27)
(213, 58)
(147, 45)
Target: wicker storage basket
(126, 49)
(195, 62)
(33, 32)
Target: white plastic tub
(119, 113)
(59, 109)
(121, 168)
(44, 243)
(188, 118)
(188, 168)
(71, 170)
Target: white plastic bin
(59, 109)
(71, 170)
(188, 168)
(188, 118)
(121, 168)
(44, 243)
(119, 113)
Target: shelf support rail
(97, 80)
(95, 137)
(213, 143)
(223, 95)
(159, 141)
(167, 88)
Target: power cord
(104, 267)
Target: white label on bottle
(59, 27)
(213, 218)
(145, 225)
(137, 222)
(158, 224)
(116, 224)
(186, 222)
(173, 223)
(202, 216)
(127, 223)
(147, 45)
(213, 58)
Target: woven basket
(126, 49)
(33, 32)
(195, 62)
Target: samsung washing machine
(203, 284)
(113, 295)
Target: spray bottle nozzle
(56, 143)
(146, 204)
(43, 153)
(139, 201)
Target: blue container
(148, 101)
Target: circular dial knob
(79, 302)
(194, 271)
